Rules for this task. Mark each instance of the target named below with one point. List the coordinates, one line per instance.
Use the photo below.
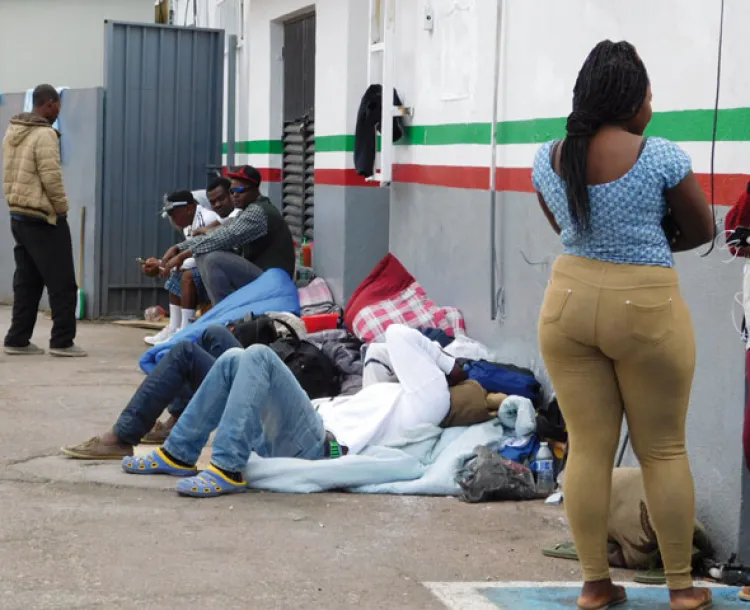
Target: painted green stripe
(441, 135)
(256, 147)
(697, 125)
(337, 144)
(678, 125)
(334, 144)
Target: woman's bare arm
(550, 218)
(691, 214)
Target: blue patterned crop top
(626, 214)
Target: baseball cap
(247, 173)
(168, 206)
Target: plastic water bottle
(545, 469)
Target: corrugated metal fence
(162, 130)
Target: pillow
(390, 295)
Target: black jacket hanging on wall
(368, 126)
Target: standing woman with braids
(614, 331)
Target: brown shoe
(158, 435)
(94, 449)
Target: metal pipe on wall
(496, 269)
(231, 97)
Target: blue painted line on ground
(564, 598)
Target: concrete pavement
(81, 535)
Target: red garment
(739, 215)
(746, 427)
(391, 295)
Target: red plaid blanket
(391, 295)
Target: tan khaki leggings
(619, 338)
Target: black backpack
(258, 329)
(312, 368)
(550, 423)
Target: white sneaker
(164, 335)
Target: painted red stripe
(270, 174)
(341, 177)
(518, 179)
(514, 179)
(727, 187)
(443, 175)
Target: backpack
(258, 329)
(501, 378)
(313, 370)
(550, 422)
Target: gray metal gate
(162, 130)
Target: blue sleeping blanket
(272, 291)
(423, 463)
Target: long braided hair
(611, 88)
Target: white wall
(60, 42)
(543, 44)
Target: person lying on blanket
(176, 377)
(254, 403)
(170, 386)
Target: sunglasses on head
(235, 190)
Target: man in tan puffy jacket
(43, 251)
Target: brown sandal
(619, 599)
(707, 602)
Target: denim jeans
(174, 380)
(224, 272)
(257, 405)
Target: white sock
(175, 317)
(188, 315)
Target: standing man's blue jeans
(257, 405)
(174, 381)
(224, 272)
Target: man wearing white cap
(184, 283)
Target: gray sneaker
(29, 350)
(68, 352)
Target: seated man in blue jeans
(170, 385)
(255, 404)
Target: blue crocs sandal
(209, 484)
(156, 462)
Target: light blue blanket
(272, 291)
(423, 464)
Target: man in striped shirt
(238, 253)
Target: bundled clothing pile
(316, 298)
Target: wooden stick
(80, 247)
